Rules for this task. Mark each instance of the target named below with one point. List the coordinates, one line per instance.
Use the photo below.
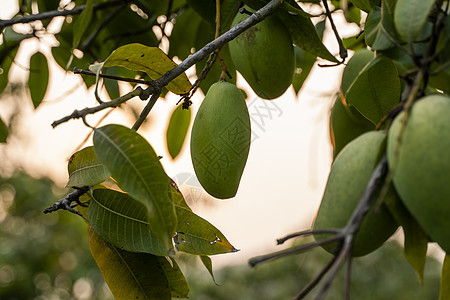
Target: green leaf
(195, 235)
(177, 130)
(376, 90)
(177, 281)
(365, 5)
(304, 62)
(85, 169)
(416, 240)
(6, 59)
(38, 79)
(410, 17)
(228, 9)
(375, 36)
(129, 275)
(184, 32)
(445, 279)
(135, 166)
(81, 23)
(206, 261)
(121, 220)
(204, 8)
(354, 67)
(304, 35)
(3, 131)
(151, 60)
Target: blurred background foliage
(47, 257)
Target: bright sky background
(285, 174)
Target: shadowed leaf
(206, 261)
(85, 169)
(129, 275)
(3, 132)
(445, 279)
(177, 130)
(410, 17)
(38, 80)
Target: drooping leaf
(121, 220)
(81, 23)
(3, 131)
(416, 240)
(85, 169)
(135, 166)
(177, 282)
(410, 17)
(304, 62)
(184, 32)
(445, 279)
(206, 261)
(376, 90)
(304, 35)
(151, 60)
(38, 79)
(129, 275)
(177, 130)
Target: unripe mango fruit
(264, 55)
(348, 179)
(420, 162)
(220, 140)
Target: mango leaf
(204, 8)
(410, 17)
(354, 67)
(184, 33)
(81, 23)
(129, 275)
(135, 166)
(3, 131)
(365, 5)
(445, 279)
(38, 78)
(376, 90)
(375, 36)
(85, 169)
(177, 130)
(195, 235)
(151, 60)
(228, 9)
(122, 221)
(206, 261)
(177, 282)
(304, 35)
(416, 240)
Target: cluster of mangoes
(417, 147)
(220, 139)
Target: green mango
(264, 55)
(421, 165)
(348, 179)
(220, 140)
(346, 124)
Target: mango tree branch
(77, 114)
(56, 13)
(255, 18)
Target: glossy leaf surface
(85, 169)
(135, 166)
(151, 60)
(410, 17)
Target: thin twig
(342, 50)
(118, 78)
(304, 233)
(146, 110)
(77, 114)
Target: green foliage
(3, 131)
(38, 79)
(177, 130)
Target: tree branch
(56, 13)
